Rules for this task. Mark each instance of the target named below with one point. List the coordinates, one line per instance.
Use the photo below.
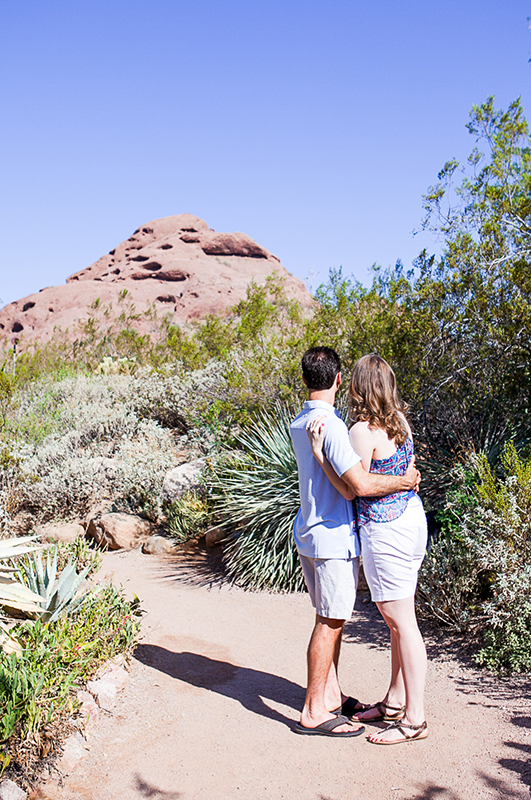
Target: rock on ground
(105, 693)
(182, 479)
(157, 545)
(74, 749)
(60, 532)
(10, 791)
(215, 535)
(119, 531)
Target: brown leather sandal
(383, 713)
(421, 732)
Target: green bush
(476, 576)
(188, 516)
(38, 688)
(255, 496)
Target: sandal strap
(400, 725)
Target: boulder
(119, 531)
(10, 791)
(105, 693)
(60, 532)
(157, 545)
(182, 479)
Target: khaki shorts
(332, 584)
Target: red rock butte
(177, 265)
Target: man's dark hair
(320, 366)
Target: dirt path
(214, 692)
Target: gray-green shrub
(477, 575)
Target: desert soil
(215, 689)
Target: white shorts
(393, 552)
(332, 584)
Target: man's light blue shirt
(324, 525)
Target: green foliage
(14, 594)
(188, 516)
(59, 592)
(476, 577)
(19, 691)
(80, 551)
(58, 657)
(255, 495)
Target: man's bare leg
(321, 651)
(333, 694)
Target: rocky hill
(176, 265)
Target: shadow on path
(148, 790)
(250, 687)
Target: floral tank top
(390, 507)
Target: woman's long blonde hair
(373, 397)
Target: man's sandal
(421, 732)
(328, 727)
(395, 715)
(350, 707)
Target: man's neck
(325, 395)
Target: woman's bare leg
(401, 618)
(396, 693)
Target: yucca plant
(255, 492)
(14, 594)
(56, 593)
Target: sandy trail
(215, 689)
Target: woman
(393, 535)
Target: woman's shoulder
(365, 431)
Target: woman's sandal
(383, 710)
(421, 732)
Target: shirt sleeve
(337, 447)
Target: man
(327, 542)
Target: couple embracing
(372, 465)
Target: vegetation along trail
(216, 684)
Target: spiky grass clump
(255, 492)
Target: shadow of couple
(250, 687)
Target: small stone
(89, 712)
(156, 545)
(73, 751)
(215, 535)
(105, 693)
(116, 675)
(10, 791)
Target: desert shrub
(254, 493)
(68, 442)
(188, 516)
(475, 578)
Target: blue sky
(313, 126)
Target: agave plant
(56, 594)
(13, 594)
(255, 492)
